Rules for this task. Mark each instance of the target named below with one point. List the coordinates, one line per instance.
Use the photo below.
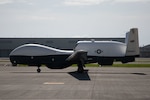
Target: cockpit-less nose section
(101, 52)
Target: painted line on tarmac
(53, 83)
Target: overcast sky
(74, 18)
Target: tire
(14, 64)
(38, 70)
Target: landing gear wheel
(80, 70)
(14, 64)
(38, 70)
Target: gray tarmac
(98, 83)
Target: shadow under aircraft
(80, 76)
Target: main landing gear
(39, 70)
(80, 66)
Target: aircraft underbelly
(51, 61)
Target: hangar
(8, 44)
(145, 51)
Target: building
(8, 44)
(145, 51)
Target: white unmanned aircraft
(101, 52)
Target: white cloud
(5, 1)
(14, 1)
(82, 2)
(46, 18)
(97, 2)
(37, 17)
(129, 1)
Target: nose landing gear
(39, 70)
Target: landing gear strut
(80, 66)
(38, 70)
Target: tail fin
(132, 42)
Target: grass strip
(131, 65)
(118, 65)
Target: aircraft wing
(78, 56)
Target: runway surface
(98, 83)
